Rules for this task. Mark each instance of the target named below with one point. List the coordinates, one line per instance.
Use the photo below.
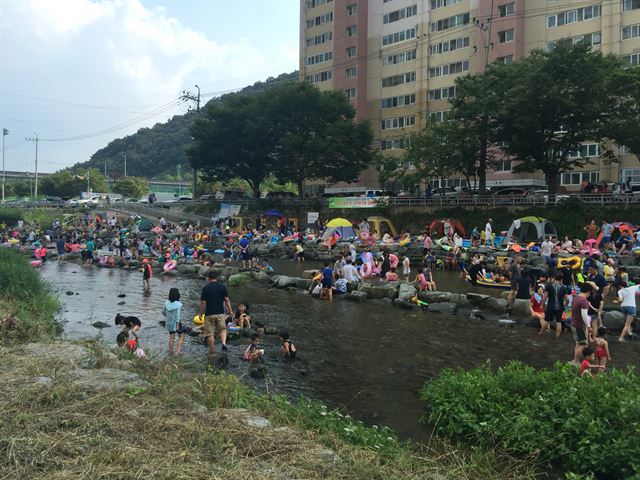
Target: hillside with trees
(154, 152)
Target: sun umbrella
(339, 222)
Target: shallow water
(369, 358)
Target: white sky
(74, 67)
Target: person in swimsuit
(537, 308)
(586, 366)
(602, 346)
(288, 349)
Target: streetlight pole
(5, 132)
(35, 140)
(180, 179)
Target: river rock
(613, 320)
(283, 281)
(435, 297)
(406, 291)
(261, 277)
(255, 421)
(378, 292)
(443, 307)
(69, 292)
(100, 325)
(106, 379)
(69, 352)
(239, 279)
(497, 305)
(461, 300)
(310, 273)
(405, 304)
(521, 308)
(477, 299)
(303, 283)
(43, 381)
(634, 273)
(357, 296)
(188, 269)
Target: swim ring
(572, 262)
(365, 270)
(198, 237)
(198, 320)
(169, 265)
(219, 250)
(405, 242)
(156, 229)
(36, 263)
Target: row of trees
(68, 183)
(292, 132)
(537, 111)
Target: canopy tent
(437, 226)
(529, 229)
(339, 222)
(142, 225)
(619, 228)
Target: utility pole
(105, 168)
(179, 180)
(35, 140)
(186, 95)
(125, 164)
(5, 132)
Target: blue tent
(273, 213)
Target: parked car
(230, 195)
(206, 198)
(543, 195)
(445, 192)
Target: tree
(132, 187)
(68, 183)
(318, 136)
(22, 189)
(548, 104)
(426, 157)
(623, 122)
(234, 139)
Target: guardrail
(515, 200)
(155, 212)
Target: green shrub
(589, 426)
(25, 299)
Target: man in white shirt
(488, 233)
(627, 300)
(350, 273)
(546, 249)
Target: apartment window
(399, 57)
(449, 69)
(632, 173)
(576, 178)
(633, 59)
(590, 39)
(352, 30)
(506, 10)
(320, 20)
(352, 9)
(439, 117)
(505, 36)
(443, 3)
(449, 46)
(623, 150)
(399, 101)
(319, 39)
(507, 59)
(586, 150)
(400, 14)
(394, 144)
(400, 36)
(446, 23)
(322, 57)
(503, 166)
(573, 16)
(632, 31)
(350, 93)
(403, 78)
(630, 5)
(398, 122)
(319, 77)
(351, 52)
(350, 72)
(441, 93)
(317, 3)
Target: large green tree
(318, 136)
(548, 104)
(69, 183)
(622, 124)
(235, 139)
(132, 187)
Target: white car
(543, 195)
(84, 202)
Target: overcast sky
(72, 68)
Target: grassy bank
(187, 425)
(27, 307)
(43, 216)
(588, 426)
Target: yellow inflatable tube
(570, 262)
(198, 320)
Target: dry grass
(165, 432)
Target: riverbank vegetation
(43, 216)
(587, 426)
(27, 306)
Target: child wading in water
(586, 366)
(252, 352)
(131, 324)
(288, 349)
(172, 310)
(602, 347)
(146, 274)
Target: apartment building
(397, 60)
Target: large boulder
(185, 269)
(521, 308)
(435, 297)
(477, 299)
(357, 296)
(108, 379)
(378, 292)
(613, 320)
(406, 291)
(461, 300)
(303, 283)
(309, 273)
(443, 307)
(634, 273)
(405, 304)
(283, 281)
(497, 305)
(239, 279)
(261, 277)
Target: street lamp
(180, 179)
(5, 132)
(125, 164)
